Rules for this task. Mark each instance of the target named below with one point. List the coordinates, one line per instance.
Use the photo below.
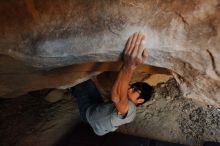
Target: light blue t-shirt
(103, 118)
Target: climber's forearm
(120, 88)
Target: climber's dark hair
(146, 90)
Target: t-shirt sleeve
(118, 120)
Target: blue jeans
(86, 94)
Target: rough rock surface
(168, 117)
(183, 36)
(174, 118)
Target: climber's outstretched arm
(134, 54)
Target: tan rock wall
(183, 36)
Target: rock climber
(107, 117)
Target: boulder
(182, 36)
